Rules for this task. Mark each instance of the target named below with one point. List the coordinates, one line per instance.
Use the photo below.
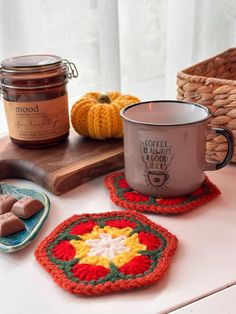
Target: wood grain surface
(61, 168)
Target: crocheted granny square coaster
(94, 254)
(124, 196)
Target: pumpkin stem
(104, 99)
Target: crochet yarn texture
(93, 254)
(124, 196)
(98, 116)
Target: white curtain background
(133, 46)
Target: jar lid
(30, 61)
(33, 69)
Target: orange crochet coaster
(122, 195)
(93, 254)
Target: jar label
(37, 120)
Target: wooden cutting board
(61, 168)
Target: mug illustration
(157, 178)
(157, 156)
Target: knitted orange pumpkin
(97, 115)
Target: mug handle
(230, 141)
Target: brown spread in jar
(34, 89)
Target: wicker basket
(213, 83)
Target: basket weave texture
(212, 83)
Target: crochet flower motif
(117, 247)
(123, 195)
(101, 246)
(107, 246)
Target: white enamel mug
(165, 146)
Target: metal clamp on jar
(34, 89)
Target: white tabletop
(222, 302)
(204, 262)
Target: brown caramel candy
(26, 207)
(6, 203)
(9, 224)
